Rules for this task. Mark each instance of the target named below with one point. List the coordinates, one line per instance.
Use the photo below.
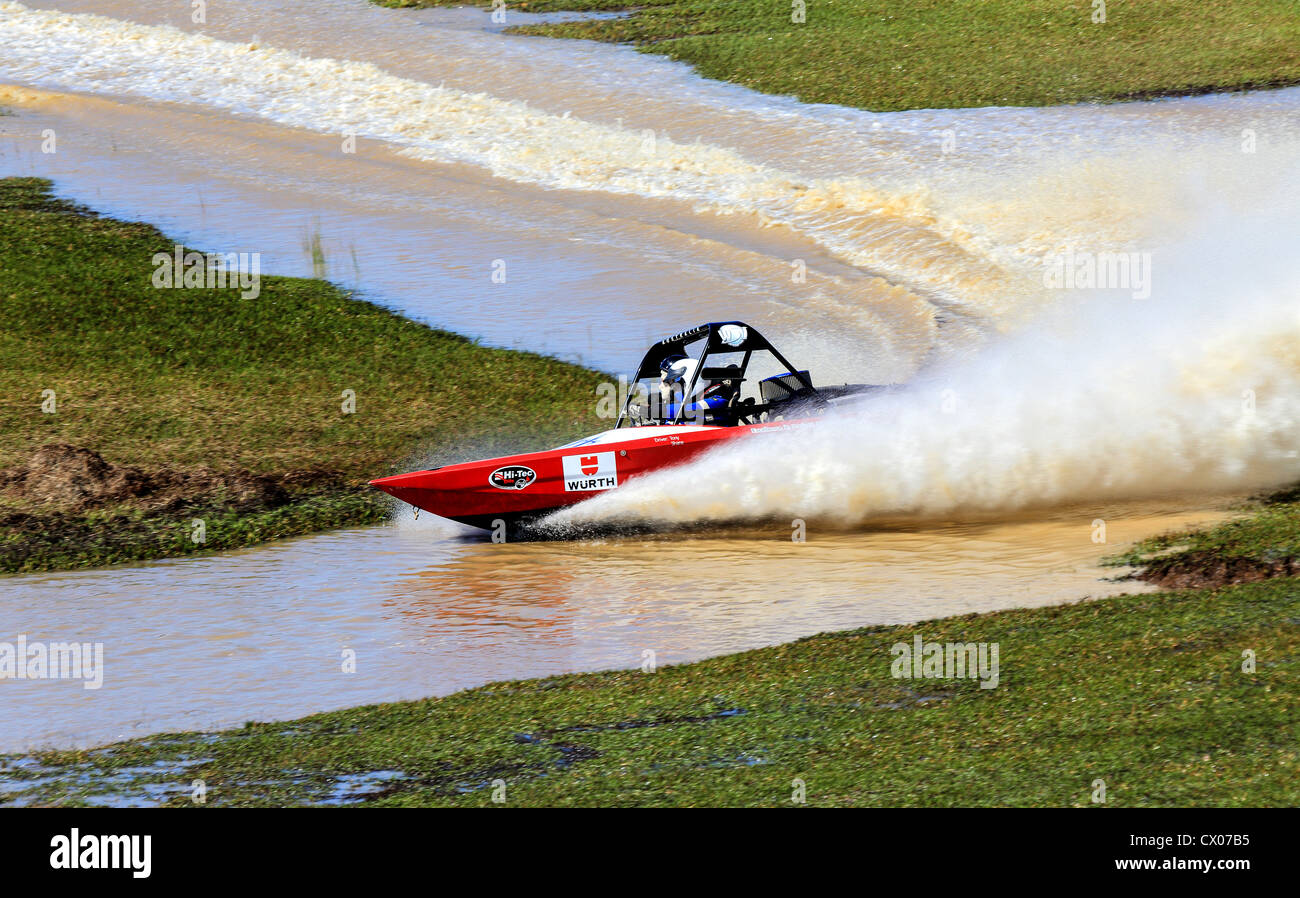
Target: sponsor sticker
(584, 473)
(512, 477)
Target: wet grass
(1264, 544)
(954, 53)
(121, 533)
(1153, 694)
(179, 379)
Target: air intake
(783, 387)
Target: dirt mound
(68, 475)
(1198, 572)
(77, 478)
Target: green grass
(955, 53)
(182, 379)
(1145, 692)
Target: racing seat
(727, 415)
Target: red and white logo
(586, 473)
(512, 477)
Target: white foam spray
(1196, 389)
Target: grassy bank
(175, 405)
(953, 53)
(1262, 545)
(1146, 693)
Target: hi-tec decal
(584, 473)
(512, 477)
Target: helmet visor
(674, 369)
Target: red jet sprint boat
(692, 392)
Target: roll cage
(740, 338)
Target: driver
(675, 373)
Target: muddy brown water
(262, 634)
(628, 198)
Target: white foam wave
(879, 231)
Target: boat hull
(516, 488)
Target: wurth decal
(585, 473)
